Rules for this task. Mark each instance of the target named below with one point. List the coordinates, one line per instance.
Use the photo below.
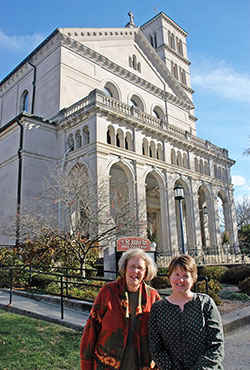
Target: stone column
(171, 215)
(196, 216)
(231, 219)
(140, 193)
(216, 226)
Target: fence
(28, 273)
(224, 255)
(17, 276)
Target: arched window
(182, 76)
(111, 90)
(196, 166)
(118, 142)
(111, 135)
(145, 147)
(70, 142)
(179, 161)
(151, 40)
(206, 169)
(158, 113)
(78, 139)
(85, 133)
(185, 160)
(135, 101)
(108, 137)
(215, 171)
(179, 46)
(128, 141)
(201, 166)
(174, 70)
(107, 92)
(134, 62)
(219, 173)
(155, 40)
(159, 153)
(171, 40)
(173, 157)
(24, 101)
(152, 150)
(130, 62)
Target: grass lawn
(30, 344)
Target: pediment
(121, 46)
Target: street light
(179, 196)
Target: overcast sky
(218, 46)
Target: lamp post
(179, 196)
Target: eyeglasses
(138, 268)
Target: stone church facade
(119, 101)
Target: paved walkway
(47, 311)
(237, 345)
(76, 313)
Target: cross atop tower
(131, 16)
(131, 20)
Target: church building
(118, 101)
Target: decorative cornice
(161, 68)
(182, 100)
(97, 102)
(169, 21)
(174, 52)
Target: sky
(218, 48)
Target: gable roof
(83, 35)
(74, 38)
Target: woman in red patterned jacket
(116, 333)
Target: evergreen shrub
(214, 288)
(160, 282)
(213, 272)
(235, 274)
(245, 286)
(239, 297)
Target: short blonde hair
(151, 268)
(186, 263)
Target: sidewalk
(76, 316)
(73, 318)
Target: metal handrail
(61, 278)
(66, 282)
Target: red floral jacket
(105, 334)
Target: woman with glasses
(185, 328)
(116, 333)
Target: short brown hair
(186, 263)
(151, 268)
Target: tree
(242, 207)
(70, 218)
(244, 239)
(243, 222)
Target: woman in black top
(185, 328)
